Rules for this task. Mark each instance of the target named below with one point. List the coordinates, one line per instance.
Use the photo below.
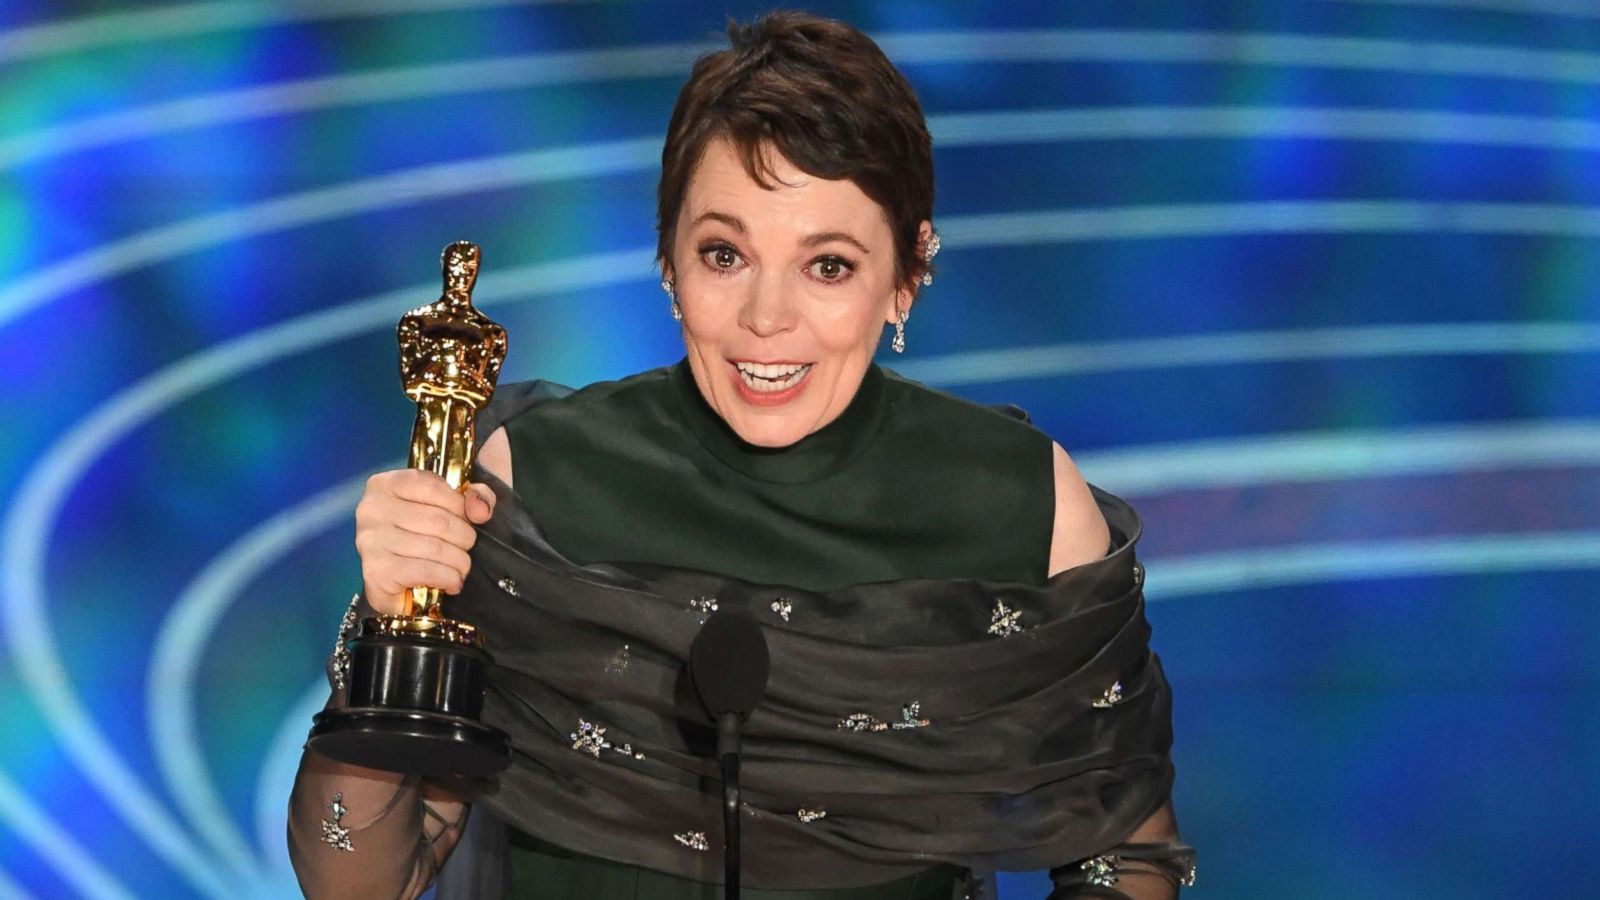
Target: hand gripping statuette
(417, 680)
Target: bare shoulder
(494, 456)
(1080, 534)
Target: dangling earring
(929, 251)
(672, 292)
(899, 342)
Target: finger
(423, 573)
(407, 546)
(418, 486)
(431, 521)
(480, 503)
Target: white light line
(585, 66)
(74, 864)
(10, 890)
(179, 20)
(322, 204)
(1229, 572)
(1583, 9)
(520, 169)
(43, 491)
(1270, 217)
(1255, 347)
(1245, 48)
(385, 85)
(1296, 122)
(188, 625)
(1343, 455)
(275, 780)
(1112, 123)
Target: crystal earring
(672, 292)
(929, 251)
(899, 342)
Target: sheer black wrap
(1016, 767)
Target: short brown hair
(828, 99)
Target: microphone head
(728, 663)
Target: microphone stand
(728, 753)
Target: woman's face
(784, 293)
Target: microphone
(729, 664)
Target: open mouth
(770, 378)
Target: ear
(906, 293)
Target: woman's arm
(1080, 534)
(1152, 863)
(357, 832)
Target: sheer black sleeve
(357, 832)
(1151, 865)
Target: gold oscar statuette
(417, 679)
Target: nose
(769, 308)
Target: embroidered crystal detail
(859, 722)
(694, 840)
(783, 608)
(1188, 879)
(589, 738)
(1110, 698)
(509, 586)
(341, 653)
(334, 834)
(619, 661)
(910, 717)
(1102, 869)
(705, 606)
(811, 815)
(1004, 621)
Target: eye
(720, 257)
(831, 268)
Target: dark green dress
(906, 483)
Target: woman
(961, 679)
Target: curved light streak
(322, 204)
(1216, 573)
(275, 781)
(1342, 455)
(1583, 9)
(44, 491)
(184, 20)
(1113, 123)
(1247, 48)
(1271, 217)
(526, 70)
(1286, 345)
(333, 91)
(74, 864)
(194, 616)
(10, 890)
(539, 166)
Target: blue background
(1313, 284)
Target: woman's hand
(412, 530)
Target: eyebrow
(811, 240)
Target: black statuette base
(413, 707)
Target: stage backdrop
(1313, 284)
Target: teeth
(764, 370)
(771, 378)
